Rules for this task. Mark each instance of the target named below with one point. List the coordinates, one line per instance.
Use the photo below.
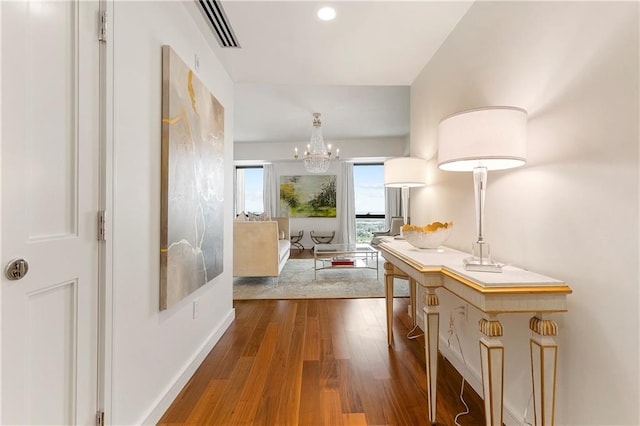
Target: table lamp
(405, 173)
(478, 140)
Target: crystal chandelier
(317, 156)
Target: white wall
(350, 149)
(572, 212)
(152, 349)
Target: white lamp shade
(405, 171)
(492, 137)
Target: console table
(513, 290)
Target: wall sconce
(478, 140)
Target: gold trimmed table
(512, 291)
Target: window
(368, 183)
(249, 189)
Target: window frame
(235, 182)
(370, 215)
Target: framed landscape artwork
(192, 182)
(308, 196)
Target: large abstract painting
(191, 214)
(308, 196)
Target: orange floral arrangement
(432, 227)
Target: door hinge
(100, 418)
(102, 236)
(102, 28)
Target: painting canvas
(192, 182)
(308, 196)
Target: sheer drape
(392, 205)
(239, 191)
(347, 206)
(269, 191)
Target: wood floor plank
(288, 408)
(310, 412)
(354, 419)
(247, 403)
(224, 408)
(261, 323)
(331, 409)
(210, 397)
(364, 381)
(315, 362)
(277, 383)
(312, 335)
(338, 338)
(349, 391)
(395, 408)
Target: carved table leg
(544, 355)
(431, 332)
(413, 289)
(388, 292)
(492, 362)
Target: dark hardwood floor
(301, 254)
(318, 362)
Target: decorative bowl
(428, 236)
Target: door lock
(16, 269)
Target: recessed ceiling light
(327, 13)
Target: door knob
(16, 269)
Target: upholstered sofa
(260, 248)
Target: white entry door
(49, 179)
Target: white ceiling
(355, 70)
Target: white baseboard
(474, 378)
(190, 368)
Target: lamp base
(481, 265)
(480, 261)
(401, 236)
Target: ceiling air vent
(214, 14)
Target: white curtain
(347, 206)
(392, 205)
(269, 191)
(239, 183)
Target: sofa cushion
(283, 249)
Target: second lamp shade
(405, 171)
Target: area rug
(296, 282)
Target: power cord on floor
(410, 334)
(460, 310)
(526, 410)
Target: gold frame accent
(488, 415)
(490, 328)
(541, 349)
(543, 327)
(430, 299)
(484, 290)
(428, 316)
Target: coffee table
(336, 256)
